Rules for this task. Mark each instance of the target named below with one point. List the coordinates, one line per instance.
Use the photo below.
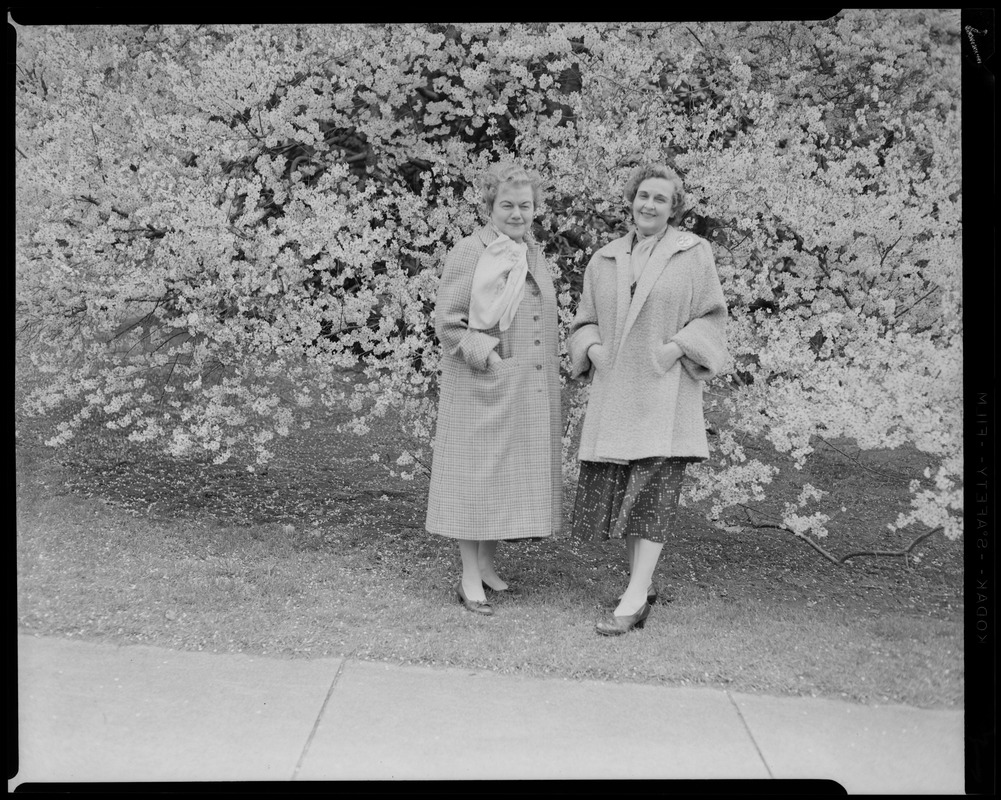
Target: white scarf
(498, 284)
(643, 249)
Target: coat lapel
(533, 254)
(486, 235)
(668, 246)
(618, 249)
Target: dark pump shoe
(613, 625)
(476, 606)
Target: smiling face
(652, 205)
(513, 210)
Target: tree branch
(171, 338)
(920, 299)
(695, 37)
(425, 467)
(163, 390)
(803, 537)
(858, 462)
(886, 252)
(142, 320)
(834, 559)
(905, 552)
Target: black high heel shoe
(613, 625)
(476, 606)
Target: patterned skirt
(635, 499)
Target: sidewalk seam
(749, 734)
(319, 716)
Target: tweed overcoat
(496, 471)
(637, 408)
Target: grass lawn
(326, 554)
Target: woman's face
(513, 210)
(652, 205)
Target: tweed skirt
(635, 499)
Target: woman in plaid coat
(650, 328)
(496, 471)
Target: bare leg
(472, 583)
(488, 574)
(631, 552)
(630, 555)
(645, 557)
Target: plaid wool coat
(496, 471)
(637, 408)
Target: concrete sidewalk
(100, 712)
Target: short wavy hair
(490, 182)
(644, 172)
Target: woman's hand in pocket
(596, 355)
(493, 359)
(669, 355)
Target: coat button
(538, 341)
(538, 366)
(536, 318)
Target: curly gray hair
(647, 171)
(490, 182)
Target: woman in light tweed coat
(496, 472)
(650, 328)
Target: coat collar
(628, 306)
(618, 247)
(624, 244)
(487, 234)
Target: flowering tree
(216, 221)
